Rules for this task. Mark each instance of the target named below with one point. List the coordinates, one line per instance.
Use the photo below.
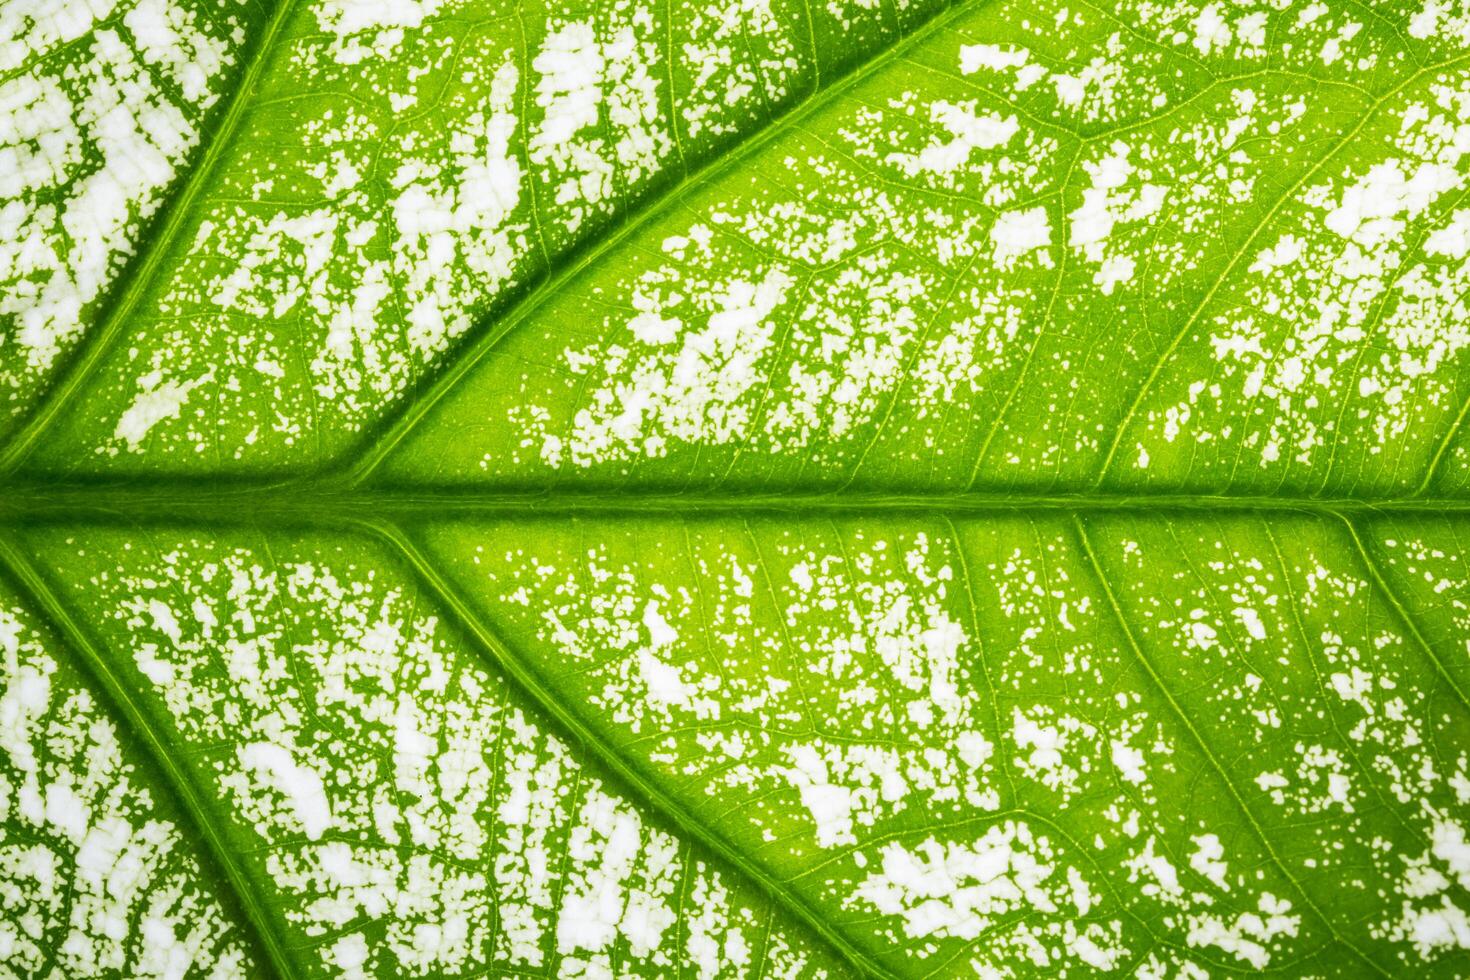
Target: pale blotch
(966, 890)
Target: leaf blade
(383, 175)
(81, 798)
(808, 499)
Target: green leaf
(762, 489)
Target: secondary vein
(217, 850)
(649, 794)
(139, 276)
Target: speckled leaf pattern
(734, 488)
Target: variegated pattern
(734, 489)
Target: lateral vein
(95, 664)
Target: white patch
(370, 28)
(1165, 877)
(157, 401)
(654, 330)
(991, 886)
(1430, 917)
(964, 133)
(1045, 741)
(164, 620)
(1207, 860)
(1248, 934)
(994, 57)
(828, 804)
(1019, 233)
(80, 173)
(1107, 204)
(602, 122)
(660, 633)
(168, 37)
(609, 895)
(96, 882)
(456, 238)
(1453, 240)
(956, 890)
(1129, 762)
(1251, 620)
(690, 391)
(1211, 32)
(275, 768)
(1371, 211)
(663, 683)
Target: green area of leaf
(759, 489)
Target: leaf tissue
(734, 488)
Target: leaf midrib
(347, 504)
(211, 504)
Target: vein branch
(644, 789)
(412, 411)
(1204, 747)
(94, 663)
(1401, 610)
(140, 276)
(1120, 432)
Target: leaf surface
(736, 490)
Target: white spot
(1129, 762)
(1206, 859)
(660, 633)
(966, 132)
(158, 400)
(277, 769)
(1251, 620)
(1018, 233)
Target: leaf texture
(762, 489)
